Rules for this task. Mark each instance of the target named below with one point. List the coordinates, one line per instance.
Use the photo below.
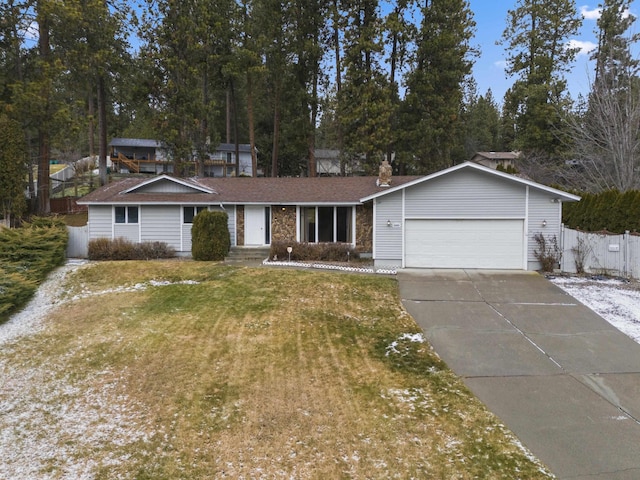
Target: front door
(256, 219)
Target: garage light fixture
(388, 223)
(544, 223)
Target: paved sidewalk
(565, 381)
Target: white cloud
(502, 64)
(589, 13)
(584, 47)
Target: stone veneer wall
(240, 225)
(283, 223)
(364, 228)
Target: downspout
(374, 233)
(181, 207)
(139, 223)
(525, 247)
(403, 226)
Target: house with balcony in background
(496, 159)
(142, 155)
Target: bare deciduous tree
(607, 138)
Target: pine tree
(435, 83)
(364, 105)
(535, 41)
(13, 169)
(481, 123)
(189, 47)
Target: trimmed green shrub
(310, 252)
(210, 239)
(27, 255)
(123, 249)
(609, 211)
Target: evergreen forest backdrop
(369, 78)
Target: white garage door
(491, 244)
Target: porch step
(240, 254)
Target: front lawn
(189, 370)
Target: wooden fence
(66, 205)
(600, 253)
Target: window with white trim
(126, 214)
(190, 212)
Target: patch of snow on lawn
(29, 320)
(617, 301)
(408, 337)
(56, 425)
(50, 296)
(53, 428)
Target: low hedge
(27, 255)
(611, 211)
(313, 252)
(123, 249)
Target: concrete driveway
(565, 381)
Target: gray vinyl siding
(466, 194)
(541, 208)
(100, 221)
(128, 231)
(161, 223)
(166, 187)
(388, 239)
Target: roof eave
(563, 196)
(160, 178)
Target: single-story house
(496, 159)
(142, 155)
(467, 216)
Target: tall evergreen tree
(189, 46)
(614, 60)
(400, 34)
(443, 59)
(364, 101)
(95, 45)
(535, 40)
(481, 123)
(13, 169)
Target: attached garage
(467, 216)
(452, 243)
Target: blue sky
(490, 17)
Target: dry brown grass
(259, 373)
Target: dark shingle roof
(237, 190)
(135, 142)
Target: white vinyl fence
(599, 253)
(78, 246)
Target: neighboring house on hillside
(467, 216)
(496, 159)
(140, 155)
(328, 164)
